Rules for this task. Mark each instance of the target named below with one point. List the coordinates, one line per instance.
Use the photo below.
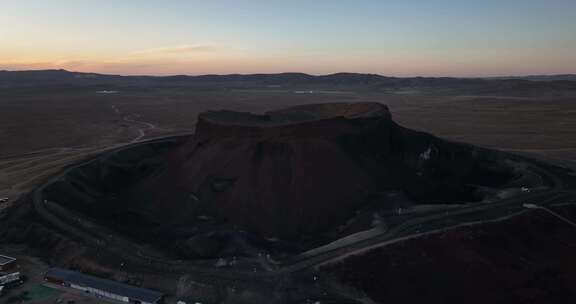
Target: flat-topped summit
(327, 119)
(297, 114)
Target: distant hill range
(560, 77)
(513, 85)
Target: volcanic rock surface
(307, 169)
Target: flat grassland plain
(43, 129)
(32, 120)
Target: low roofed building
(7, 263)
(102, 287)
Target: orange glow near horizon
(396, 38)
(143, 64)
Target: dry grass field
(33, 120)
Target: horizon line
(303, 73)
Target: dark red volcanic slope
(301, 170)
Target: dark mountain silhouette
(306, 169)
(559, 77)
(288, 180)
(491, 86)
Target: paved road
(421, 226)
(557, 215)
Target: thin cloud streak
(183, 49)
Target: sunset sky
(402, 38)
